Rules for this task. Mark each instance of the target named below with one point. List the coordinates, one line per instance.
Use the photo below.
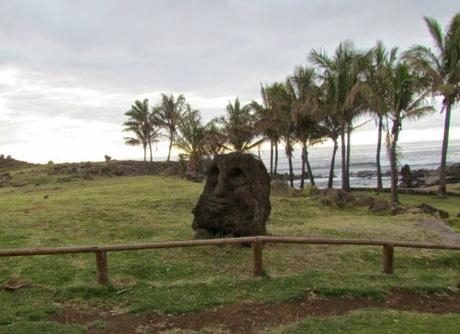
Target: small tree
(168, 114)
(407, 93)
(238, 126)
(442, 68)
(191, 138)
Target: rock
(432, 180)
(406, 177)
(364, 201)
(414, 210)
(397, 210)
(5, 176)
(431, 210)
(336, 197)
(236, 198)
(458, 215)
(279, 186)
(380, 206)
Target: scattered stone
(14, 285)
(46, 196)
(414, 210)
(364, 201)
(431, 210)
(65, 179)
(397, 210)
(380, 206)
(235, 200)
(336, 197)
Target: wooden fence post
(102, 268)
(388, 259)
(257, 264)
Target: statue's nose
(219, 191)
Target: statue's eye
(213, 174)
(236, 172)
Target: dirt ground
(251, 318)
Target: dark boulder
(364, 201)
(380, 206)
(336, 197)
(235, 200)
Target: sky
(70, 69)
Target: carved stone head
(236, 198)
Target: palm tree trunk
(377, 158)
(275, 170)
(302, 174)
(348, 155)
(330, 182)
(171, 139)
(271, 158)
(151, 156)
(445, 143)
(291, 171)
(344, 163)
(310, 173)
(144, 146)
(393, 165)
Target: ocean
(418, 155)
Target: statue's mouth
(217, 204)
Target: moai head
(236, 198)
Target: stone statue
(236, 198)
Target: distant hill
(9, 163)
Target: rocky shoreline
(419, 178)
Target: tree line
(321, 100)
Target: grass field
(145, 209)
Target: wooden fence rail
(256, 242)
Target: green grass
(377, 321)
(145, 209)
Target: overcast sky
(70, 69)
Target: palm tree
(304, 92)
(238, 126)
(407, 100)
(376, 95)
(191, 138)
(142, 123)
(280, 102)
(344, 74)
(330, 122)
(169, 114)
(442, 67)
(215, 138)
(265, 122)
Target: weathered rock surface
(334, 197)
(380, 206)
(422, 178)
(235, 200)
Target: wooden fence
(256, 242)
